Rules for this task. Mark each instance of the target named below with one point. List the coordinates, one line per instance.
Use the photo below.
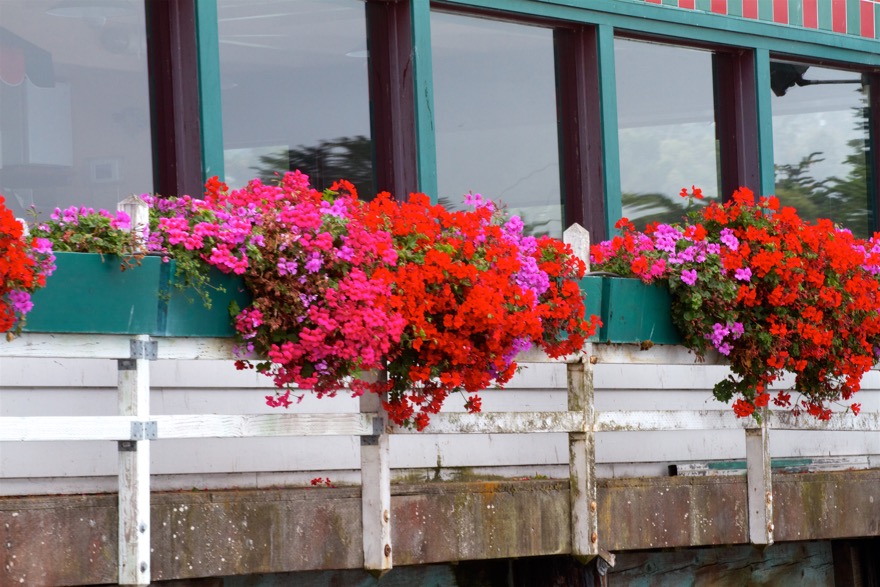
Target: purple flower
(743, 274)
(728, 238)
(21, 301)
(313, 265)
(689, 276)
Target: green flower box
(631, 311)
(89, 294)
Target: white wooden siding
(81, 387)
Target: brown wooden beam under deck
(72, 539)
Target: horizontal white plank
(658, 354)
(68, 346)
(501, 423)
(843, 422)
(66, 428)
(638, 421)
(261, 425)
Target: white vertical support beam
(376, 490)
(582, 465)
(760, 487)
(139, 212)
(581, 445)
(134, 468)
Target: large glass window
(74, 104)
(295, 91)
(495, 116)
(820, 142)
(666, 117)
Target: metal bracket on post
(760, 483)
(134, 464)
(376, 490)
(146, 349)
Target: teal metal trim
(853, 17)
(703, 5)
(824, 19)
(796, 12)
(765, 11)
(610, 141)
(765, 122)
(695, 25)
(734, 7)
(210, 104)
(426, 158)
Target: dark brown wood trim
(736, 121)
(392, 96)
(580, 130)
(873, 162)
(174, 76)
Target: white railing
(134, 429)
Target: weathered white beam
(240, 426)
(658, 354)
(658, 420)
(864, 422)
(376, 490)
(501, 423)
(134, 475)
(760, 488)
(68, 346)
(582, 465)
(65, 428)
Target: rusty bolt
(389, 429)
(593, 506)
(770, 527)
(385, 516)
(387, 550)
(594, 538)
(593, 359)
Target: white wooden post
(376, 490)
(134, 465)
(139, 213)
(760, 485)
(581, 445)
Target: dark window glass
(666, 116)
(820, 143)
(294, 90)
(495, 116)
(74, 104)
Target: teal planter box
(184, 313)
(90, 295)
(631, 311)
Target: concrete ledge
(72, 539)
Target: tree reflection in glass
(820, 143)
(666, 125)
(294, 91)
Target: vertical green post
(210, 105)
(424, 98)
(765, 121)
(610, 142)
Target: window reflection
(74, 105)
(294, 90)
(820, 143)
(666, 118)
(495, 116)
